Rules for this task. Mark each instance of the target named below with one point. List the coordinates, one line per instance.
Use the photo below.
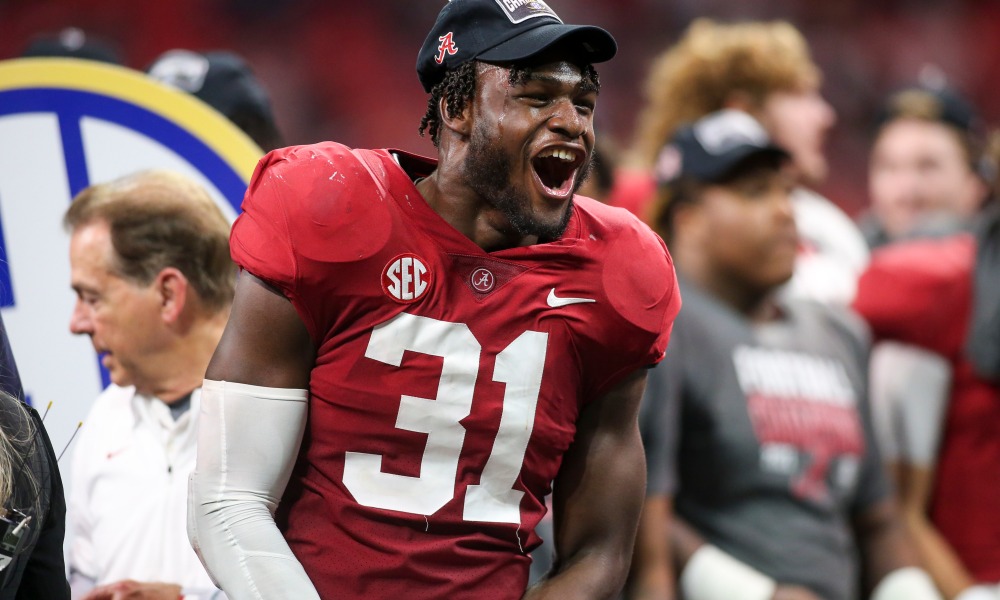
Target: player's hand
(135, 590)
(793, 592)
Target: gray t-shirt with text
(761, 434)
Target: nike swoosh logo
(555, 301)
(115, 453)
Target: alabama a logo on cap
(406, 278)
(447, 46)
(522, 10)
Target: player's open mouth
(556, 170)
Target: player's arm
(889, 560)
(265, 342)
(597, 498)
(909, 392)
(252, 420)
(652, 576)
(941, 561)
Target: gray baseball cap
(711, 148)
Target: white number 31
(519, 366)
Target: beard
(487, 170)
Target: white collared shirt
(128, 499)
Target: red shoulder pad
(920, 292)
(309, 204)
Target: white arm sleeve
(711, 574)
(909, 395)
(907, 583)
(248, 440)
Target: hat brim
(734, 159)
(584, 43)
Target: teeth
(559, 153)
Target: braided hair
(457, 87)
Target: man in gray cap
(756, 427)
(461, 333)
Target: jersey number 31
(519, 366)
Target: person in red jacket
(944, 295)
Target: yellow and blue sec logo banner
(66, 124)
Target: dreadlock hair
(459, 86)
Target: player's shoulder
(612, 223)
(940, 261)
(906, 284)
(902, 292)
(325, 170)
(305, 197)
(915, 277)
(636, 269)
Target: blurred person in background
(149, 262)
(31, 496)
(72, 42)
(220, 78)
(943, 296)
(764, 69)
(763, 478)
(600, 181)
(927, 175)
(224, 81)
(32, 508)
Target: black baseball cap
(223, 80)
(712, 148)
(72, 42)
(933, 102)
(503, 31)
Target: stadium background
(344, 70)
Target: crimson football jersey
(448, 380)
(921, 293)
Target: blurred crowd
(347, 54)
(826, 422)
(845, 353)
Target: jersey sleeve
(261, 240)
(309, 213)
(917, 292)
(641, 287)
